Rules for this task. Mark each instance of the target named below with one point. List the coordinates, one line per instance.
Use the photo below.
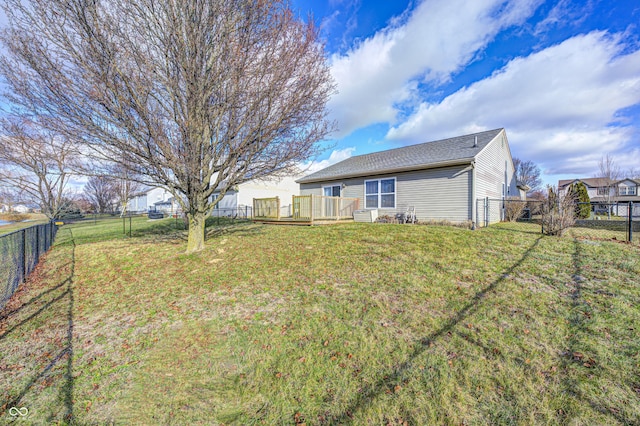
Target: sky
(562, 77)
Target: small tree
(527, 173)
(37, 164)
(558, 212)
(101, 192)
(7, 198)
(610, 173)
(583, 206)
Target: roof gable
(628, 182)
(598, 182)
(439, 153)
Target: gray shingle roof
(413, 157)
(589, 182)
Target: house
(239, 199)
(152, 199)
(442, 180)
(606, 194)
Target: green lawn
(345, 324)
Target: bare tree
(8, 197)
(37, 165)
(126, 186)
(610, 174)
(528, 173)
(633, 173)
(194, 96)
(101, 192)
(558, 211)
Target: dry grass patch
(352, 323)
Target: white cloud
(437, 39)
(558, 105)
(335, 157)
(565, 12)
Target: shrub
(513, 208)
(13, 217)
(558, 212)
(582, 200)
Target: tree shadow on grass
(370, 392)
(165, 235)
(241, 229)
(574, 355)
(53, 313)
(518, 227)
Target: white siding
(495, 171)
(284, 188)
(143, 202)
(229, 201)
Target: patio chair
(410, 215)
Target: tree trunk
(195, 240)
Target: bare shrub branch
(558, 212)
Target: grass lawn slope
(345, 324)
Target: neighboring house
(442, 180)
(239, 199)
(605, 193)
(152, 199)
(20, 208)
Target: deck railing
(318, 207)
(266, 208)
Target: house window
(380, 193)
(331, 191)
(627, 190)
(603, 190)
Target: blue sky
(562, 77)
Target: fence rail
(20, 252)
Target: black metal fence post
(630, 211)
(24, 255)
(129, 226)
(37, 254)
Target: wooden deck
(306, 210)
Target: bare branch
(37, 165)
(194, 96)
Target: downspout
(474, 202)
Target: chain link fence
(20, 252)
(611, 221)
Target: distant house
(606, 194)
(442, 180)
(152, 199)
(20, 208)
(239, 199)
